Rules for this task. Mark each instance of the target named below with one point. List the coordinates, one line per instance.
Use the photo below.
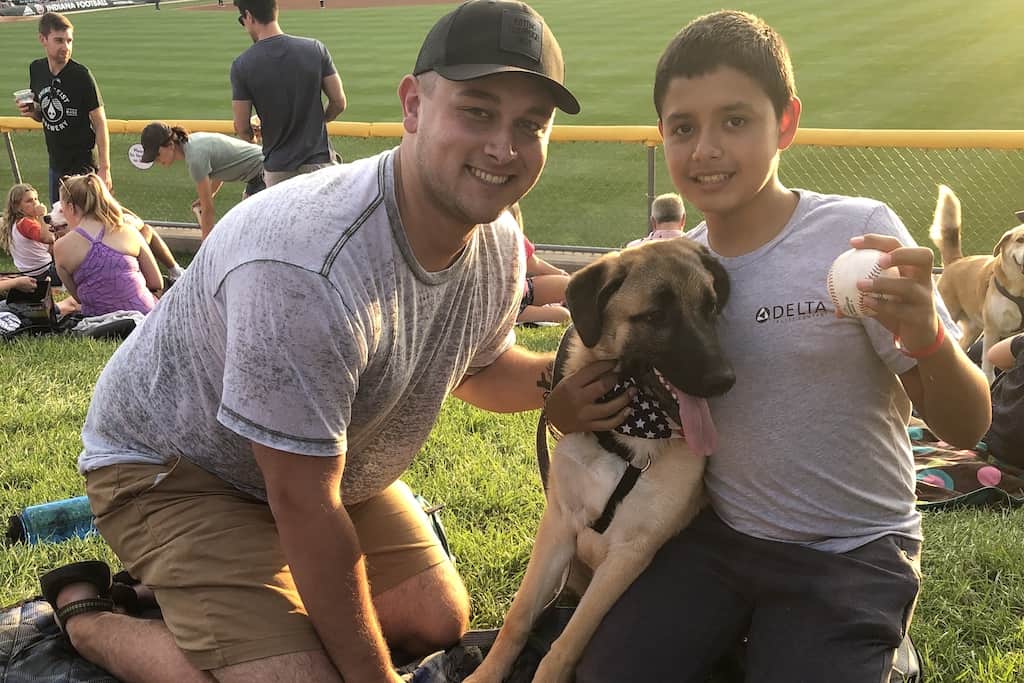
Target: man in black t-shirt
(68, 104)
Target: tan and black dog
(653, 308)
(984, 294)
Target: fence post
(14, 159)
(650, 181)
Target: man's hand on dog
(908, 309)
(572, 405)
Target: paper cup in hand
(135, 156)
(850, 267)
(24, 97)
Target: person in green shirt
(212, 159)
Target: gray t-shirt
(813, 446)
(282, 76)
(221, 157)
(318, 333)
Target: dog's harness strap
(543, 458)
(626, 484)
(606, 441)
(1015, 299)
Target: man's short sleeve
(1016, 347)
(504, 335)
(326, 63)
(292, 361)
(239, 88)
(91, 98)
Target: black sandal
(93, 571)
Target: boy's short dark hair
(728, 38)
(263, 11)
(52, 21)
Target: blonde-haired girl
(103, 260)
(24, 235)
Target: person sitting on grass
(810, 547)
(24, 234)
(161, 252)
(668, 218)
(1005, 438)
(23, 283)
(212, 159)
(103, 260)
(544, 291)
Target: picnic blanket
(951, 477)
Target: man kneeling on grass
(252, 483)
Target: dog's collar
(1015, 299)
(648, 419)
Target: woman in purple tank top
(104, 262)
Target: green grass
(872, 64)
(482, 467)
(861, 65)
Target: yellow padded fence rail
(900, 167)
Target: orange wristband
(929, 350)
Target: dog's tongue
(698, 428)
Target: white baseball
(848, 268)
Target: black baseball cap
(154, 136)
(483, 37)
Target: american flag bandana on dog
(648, 419)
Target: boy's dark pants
(811, 616)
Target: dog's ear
(1019, 215)
(721, 278)
(587, 295)
(1002, 240)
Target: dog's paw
(553, 669)
(481, 675)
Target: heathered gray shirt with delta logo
(812, 439)
(306, 324)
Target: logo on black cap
(521, 33)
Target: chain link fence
(595, 193)
(989, 183)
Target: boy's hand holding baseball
(904, 305)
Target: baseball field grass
(873, 64)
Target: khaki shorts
(212, 557)
(274, 177)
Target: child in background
(1005, 438)
(544, 291)
(24, 235)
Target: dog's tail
(945, 230)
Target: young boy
(811, 544)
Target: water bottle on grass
(52, 522)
